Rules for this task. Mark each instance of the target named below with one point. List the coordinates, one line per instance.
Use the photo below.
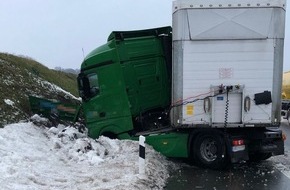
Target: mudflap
(237, 153)
(280, 147)
(239, 156)
(273, 142)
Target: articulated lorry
(207, 89)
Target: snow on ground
(9, 102)
(37, 157)
(52, 87)
(282, 163)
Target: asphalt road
(273, 173)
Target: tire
(210, 151)
(258, 157)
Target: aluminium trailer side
(220, 44)
(227, 78)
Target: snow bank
(36, 157)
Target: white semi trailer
(229, 54)
(223, 62)
(232, 46)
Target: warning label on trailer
(189, 109)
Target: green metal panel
(110, 106)
(139, 48)
(147, 84)
(145, 74)
(115, 125)
(102, 54)
(172, 144)
(47, 108)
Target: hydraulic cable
(192, 101)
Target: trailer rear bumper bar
(269, 142)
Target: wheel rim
(208, 150)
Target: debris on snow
(9, 102)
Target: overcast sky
(54, 32)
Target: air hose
(227, 106)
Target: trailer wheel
(210, 151)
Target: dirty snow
(53, 87)
(38, 157)
(282, 163)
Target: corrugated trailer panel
(231, 44)
(249, 63)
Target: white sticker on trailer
(226, 73)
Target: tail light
(238, 145)
(238, 142)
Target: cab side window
(94, 84)
(88, 85)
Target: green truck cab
(126, 89)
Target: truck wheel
(210, 151)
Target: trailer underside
(216, 147)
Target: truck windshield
(88, 85)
